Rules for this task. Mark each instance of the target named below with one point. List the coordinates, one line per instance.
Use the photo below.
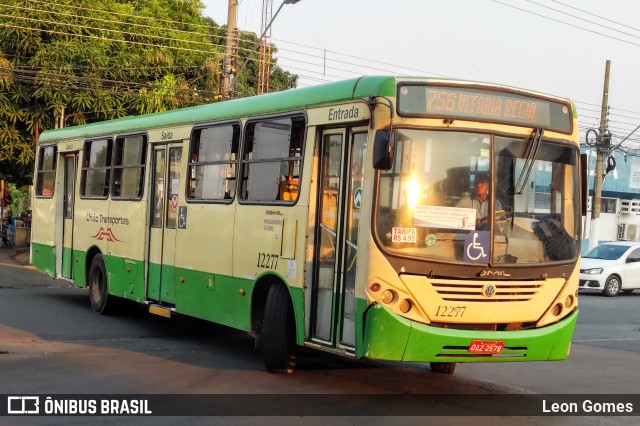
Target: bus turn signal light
(374, 287)
(568, 301)
(405, 306)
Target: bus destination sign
(482, 105)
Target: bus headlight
(387, 296)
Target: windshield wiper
(531, 159)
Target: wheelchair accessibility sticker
(476, 246)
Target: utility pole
(257, 45)
(264, 63)
(602, 148)
(229, 49)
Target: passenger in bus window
(480, 201)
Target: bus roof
(362, 87)
(270, 102)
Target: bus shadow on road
(133, 328)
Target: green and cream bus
(339, 217)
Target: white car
(611, 267)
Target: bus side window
(128, 168)
(212, 165)
(46, 173)
(96, 170)
(271, 165)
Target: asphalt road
(52, 343)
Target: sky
(555, 47)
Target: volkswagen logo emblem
(489, 290)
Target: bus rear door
(70, 163)
(163, 222)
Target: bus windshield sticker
(404, 235)
(476, 246)
(430, 240)
(444, 217)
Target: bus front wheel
(98, 291)
(278, 335)
(443, 367)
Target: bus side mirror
(382, 150)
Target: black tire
(443, 367)
(278, 335)
(101, 301)
(612, 286)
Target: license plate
(486, 347)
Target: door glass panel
(158, 193)
(354, 203)
(329, 190)
(69, 183)
(175, 156)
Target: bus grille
(473, 292)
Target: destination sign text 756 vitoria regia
(500, 107)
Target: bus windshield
(450, 197)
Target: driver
(480, 202)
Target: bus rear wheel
(278, 335)
(443, 367)
(98, 290)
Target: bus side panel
(44, 258)
(270, 240)
(43, 231)
(126, 277)
(126, 228)
(89, 230)
(79, 270)
(217, 298)
(203, 281)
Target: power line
(68, 24)
(108, 21)
(565, 23)
(108, 39)
(597, 16)
(582, 19)
(347, 66)
(109, 12)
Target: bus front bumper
(388, 336)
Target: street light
(255, 46)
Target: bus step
(163, 311)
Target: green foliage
(102, 59)
(19, 197)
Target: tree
(72, 62)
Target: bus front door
(338, 215)
(70, 161)
(163, 223)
